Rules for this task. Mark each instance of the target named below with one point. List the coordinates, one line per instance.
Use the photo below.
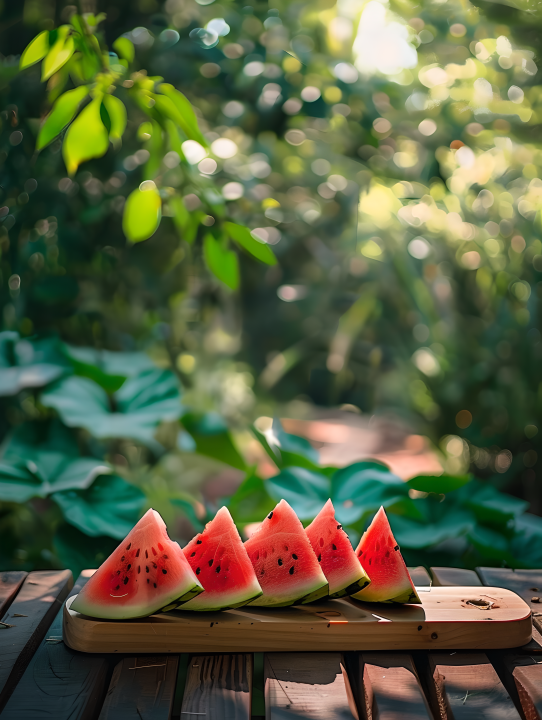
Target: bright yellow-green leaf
(62, 113)
(86, 138)
(117, 114)
(185, 115)
(242, 237)
(142, 212)
(35, 51)
(221, 262)
(124, 48)
(58, 55)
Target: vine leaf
(241, 235)
(59, 54)
(117, 116)
(62, 114)
(86, 138)
(221, 262)
(35, 50)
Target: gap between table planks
(218, 686)
(26, 622)
(58, 683)
(10, 582)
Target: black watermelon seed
(118, 587)
(164, 571)
(270, 516)
(334, 546)
(126, 579)
(262, 572)
(319, 558)
(148, 581)
(280, 561)
(396, 547)
(154, 565)
(211, 562)
(129, 546)
(291, 570)
(165, 557)
(129, 566)
(198, 570)
(147, 568)
(294, 556)
(192, 554)
(122, 559)
(154, 584)
(118, 572)
(218, 569)
(146, 553)
(339, 527)
(198, 542)
(138, 551)
(138, 569)
(360, 553)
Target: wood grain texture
(465, 686)
(445, 620)
(218, 686)
(391, 687)
(60, 684)
(141, 687)
(10, 582)
(526, 583)
(450, 577)
(526, 672)
(308, 685)
(30, 615)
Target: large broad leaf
(35, 51)
(41, 458)
(251, 502)
(491, 506)
(25, 364)
(78, 551)
(213, 439)
(189, 510)
(305, 490)
(241, 235)
(86, 138)
(134, 411)
(110, 506)
(288, 450)
(221, 261)
(117, 116)
(142, 212)
(492, 545)
(526, 544)
(108, 369)
(411, 534)
(63, 112)
(439, 484)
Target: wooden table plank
(10, 582)
(526, 583)
(141, 687)
(60, 684)
(448, 577)
(420, 576)
(218, 686)
(526, 672)
(28, 618)
(307, 685)
(465, 686)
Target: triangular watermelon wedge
(219, 559)
(381, 557)
(335, 553)
(146, 574)
(285, 564)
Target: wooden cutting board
(450, 617)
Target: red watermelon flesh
(146, 574)
(219, 559)
(335, 553)
(381, 557)
(285, 564)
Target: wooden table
(40, 677)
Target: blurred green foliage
(387, 153)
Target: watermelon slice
(220, 561)
(335, 553)
(380, 556)
(147, 573)
(285, 564)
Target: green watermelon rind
(315, 592)
(354, 587)
(235, 599)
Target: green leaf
(251, 502)
(439, 484)
(78, 551)
(188, 509)
(181, 111)
(18, 483)
(221, 261)
(142, 212)
(124, 48)
(242, 237)
(289, 450)
(59, 54)
(110, 506)
(35, 51)
(62, 114)
(491, 506)
(213, 439)
(108, 369)
(26, 364)
(492, 545)
(304, 490)
(143, 401)
(411, 534)
(117, 115)
(86, 138)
